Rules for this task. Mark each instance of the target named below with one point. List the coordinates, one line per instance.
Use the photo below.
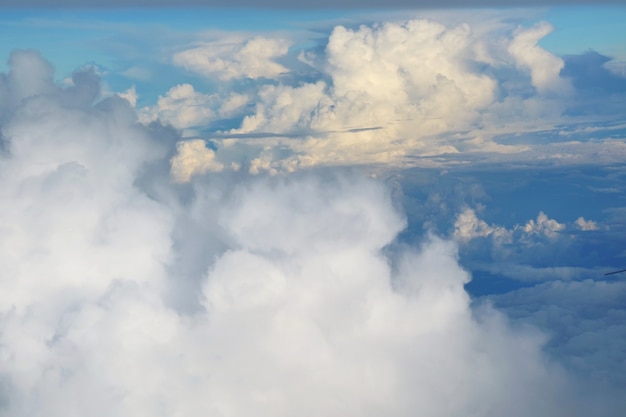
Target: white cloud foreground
(124, 294)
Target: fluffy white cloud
(193, 157)
(124, 294)
(586, 225)
(409, 80)
(183, 107)
(399, 93)
(541, 249)
(543, 226)
(235, 57)
(468, 226)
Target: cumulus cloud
(411, 72)
(543, 226)
(468, 226)
(227, 59)
(193, 157)
(586, 224)
(544, 68)
(183, 107)
(541, 249)
(394, 93)
(300, 304)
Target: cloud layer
(125, 294)
(413, 93)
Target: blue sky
(341, 211)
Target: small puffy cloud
(586, 225)
(193, 158)
(138, 73)
(130, 95)
(541, 249)
(233, 58)
(468, 226)
(543, 226)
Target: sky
(331, 209)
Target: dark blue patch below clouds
(598, 90)
(509, 197)
(589, 74)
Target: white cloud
(586, 225)
(468, 226)
(235, 57)
(543, 226)
(299, 303)
(544, 68)
(539, 250)
(409, 76)
(192, 158)
(30, 75)
(183, 107)
(283, 107)
(138, 73)
(406, 94)
(130, 95)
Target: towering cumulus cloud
(127, 294)
(394, 93)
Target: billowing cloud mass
(414, 93)
(127, 294)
